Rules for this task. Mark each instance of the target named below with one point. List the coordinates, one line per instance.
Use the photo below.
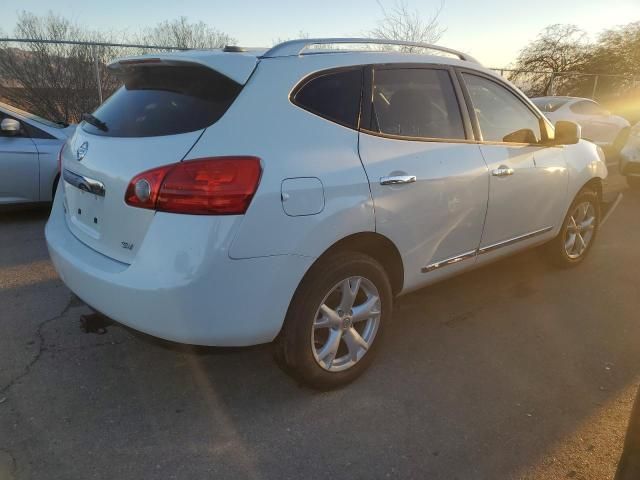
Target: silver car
(598, 124)
(29, 152)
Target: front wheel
(335, 321)
(578, 231)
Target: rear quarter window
(165, 100)
(333, 95)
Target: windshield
(163, 100)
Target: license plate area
(85, 210)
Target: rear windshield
(165, 100)
(549, 104)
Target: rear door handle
(397, 180)
(503, 171)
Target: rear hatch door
(154, 119)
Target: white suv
(239, 197)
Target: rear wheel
(335, 321)
(578, 231)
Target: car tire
(633, 182)
(335, 321)
(579, 231)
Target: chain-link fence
(577, 84)
(61, 79)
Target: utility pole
(595, 87)
(94, 50)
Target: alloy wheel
(580, 229)
(346, 324)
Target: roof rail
(296, 47)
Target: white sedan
(29, 156)
(598, 124)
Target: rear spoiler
(238, 67)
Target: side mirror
(524, 135)
(9, 126)
(567, 133)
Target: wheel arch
(594, 184)
(377, 246)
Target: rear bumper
(182, 285)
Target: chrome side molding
(520, 238)
(83, 183)
(450, 261)
(489, 248)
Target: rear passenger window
(416, 103)
(334, 96)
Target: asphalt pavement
(516, 370)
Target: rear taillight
(206, 186)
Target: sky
(493, 31)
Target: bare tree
(181, 33)
(53, 80)
(557, 50)
(58, 81)
(618, 51)
(399, 22)
(301, 35)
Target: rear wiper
(96, 122)
(62, 123)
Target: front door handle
(503, 171)
(397, 180)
